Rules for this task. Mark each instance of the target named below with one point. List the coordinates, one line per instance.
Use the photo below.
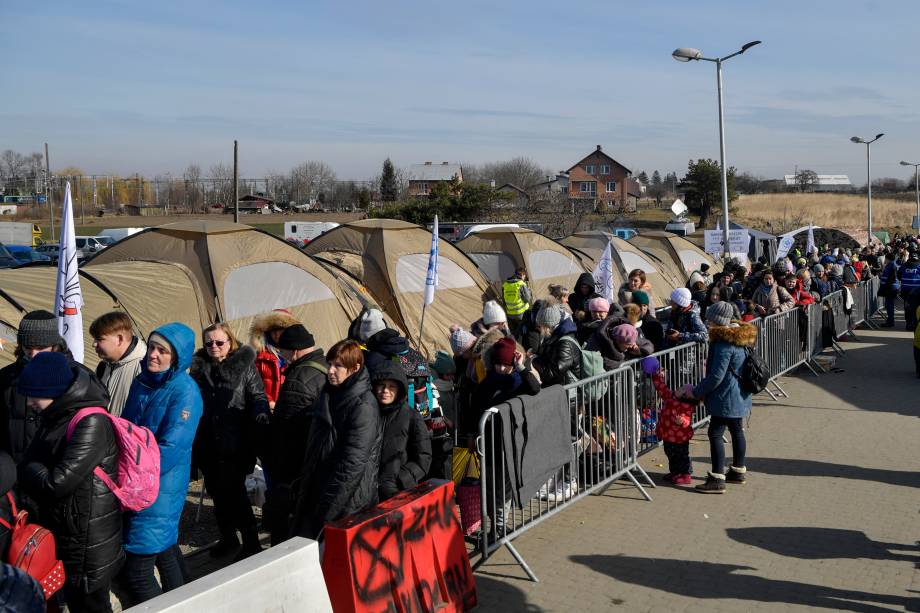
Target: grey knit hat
(38, 329)
(719, 313)
(549, 316)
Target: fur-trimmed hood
(484, 343)
(231, 369)
(269, 321)
(742, 335)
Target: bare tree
(310, 179)
(806, 180)
(520, 171)
(193, 196)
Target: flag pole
(431, 278)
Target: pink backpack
(138, 461)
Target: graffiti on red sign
(411, 558)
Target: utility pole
(137, 177)
(95, 204)
(48, 190)
(82, 207)
(236, 183)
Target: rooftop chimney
(598, 147)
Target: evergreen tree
(656, 178)
(703, 187)
(388, 182)
(643, 178)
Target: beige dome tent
(390, 258)
(498, 251)
(628, 257)
(198, 272)
(681, 254)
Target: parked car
(52, 250)
(26, 255)
(6, 259)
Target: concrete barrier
(286, 578)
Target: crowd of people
(338, 430)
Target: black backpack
(755, 375)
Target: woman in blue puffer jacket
(721, 391)
(165, 399)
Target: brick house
(423, 177)
(598, 178)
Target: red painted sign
(405, 555)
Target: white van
(88, 245)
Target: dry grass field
(781, 212)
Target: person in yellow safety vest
(517, 298)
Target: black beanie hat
(295, 338)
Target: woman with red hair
(343, 448)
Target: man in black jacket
(405, 454)
(37, 332)
(304, 378)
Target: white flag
(431, 279)
(603, 274)
(68, 299)
(810, 245)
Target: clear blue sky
(153, 86)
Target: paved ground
(829, 518)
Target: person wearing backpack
(304, 378)
(235, 413)
(558, 359)
(165, 399)
(405, 454)
(56, 477)
(721, 391)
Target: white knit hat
(371, 323)
(681, 297)
(493, 313)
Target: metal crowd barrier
(604, 434)
(611, 431)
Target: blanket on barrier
(536, 436)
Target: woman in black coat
(405, 454)
(235, 407)
(343, 449)
(56, 477)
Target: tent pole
(421, 326)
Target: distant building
(558, 184)
(598, 178)
(423, 177)
(824, 183)
(146, 210)
(519, 198)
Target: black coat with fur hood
(405, 455)
(233, 395)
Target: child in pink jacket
(674, 426)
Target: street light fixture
(862, 141)
(686, 54)
(917, 188)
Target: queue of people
(338, 430)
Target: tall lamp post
(686, 54)
(862, 141)
(916, 188)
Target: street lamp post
(686, 54)
(916, 188)
(862, 141)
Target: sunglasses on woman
(218, 343)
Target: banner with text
(738, 241)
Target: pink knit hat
(625, 333)
(598, 305)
